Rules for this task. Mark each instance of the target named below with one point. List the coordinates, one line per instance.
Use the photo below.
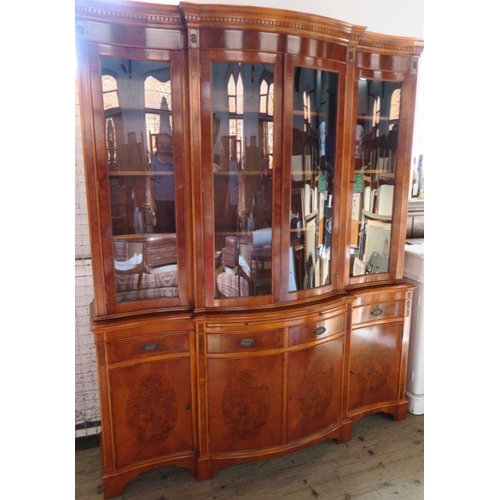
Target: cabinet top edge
(127, 11)
(268, 18)
(370, 41)
(244, 17)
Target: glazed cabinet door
(384, 103)
(313, 112)
(135, 146)
(241, 113)
(151, 406)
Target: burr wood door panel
(151, 407)
(375, 364)
(314, 388)
(245, 402)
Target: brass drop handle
(247, 343)
(377, 312)
(319, 331)
(150, 346)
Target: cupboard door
(376, 163)
(245, 402)
(312, 110)
(314, 388)
(382, 140)
(151, 407)
(136, 158)
(144, 176)
(243, 110)
(375, 365)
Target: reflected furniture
(276, 315)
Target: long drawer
(147, 346)
(378, 311)
(219, 343)
(309, 332)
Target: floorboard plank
(384, 459)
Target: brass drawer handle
(150, 346)
(319, 331)
(377, 312)
(247, 343)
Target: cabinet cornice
(275, 20)
(391, 44)
(150, 14)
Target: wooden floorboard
(384, 459)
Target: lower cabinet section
(205, 391)
(273, 383)
(378, 352)
(148, 411)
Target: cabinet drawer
(378, 311)
(380, 296)
(244, 342)
(149, 345)
(315, 331)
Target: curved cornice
(391, 44)
(240, 17)
(129, 11)
(278, 20)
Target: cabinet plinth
(247, 185)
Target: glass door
(314, 139)
(143, 163)
(242, 178)
(314, 104)
(374, 179)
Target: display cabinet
(247, 172)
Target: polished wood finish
(148, 416)
(378, 351)
(204, 381)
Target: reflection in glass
(242, 126)
(137, 103)
(375, 167)
(313, 166)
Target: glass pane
(313, 166)
(375, 167)
(242, 126)
(139, 146)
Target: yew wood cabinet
(247, 173)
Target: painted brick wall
(87, 415)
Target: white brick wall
(86, 390)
